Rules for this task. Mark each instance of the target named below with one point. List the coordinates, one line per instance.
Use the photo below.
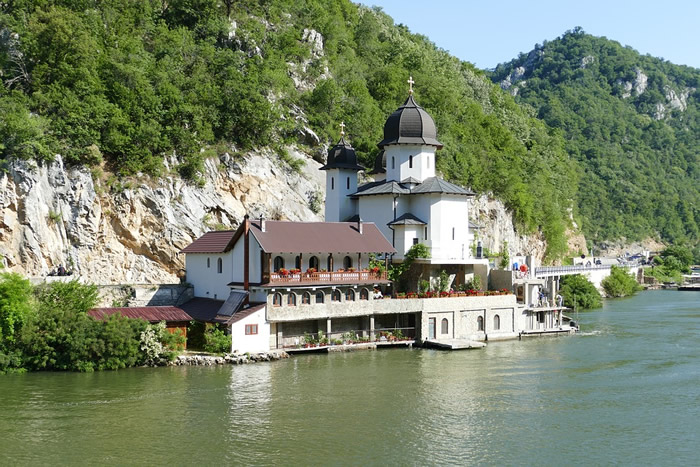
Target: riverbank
(228, 359)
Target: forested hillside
(633, 124)
(121, 84)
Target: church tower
(410, 142)
(341, 180)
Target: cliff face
(132, 233)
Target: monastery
(281, 285)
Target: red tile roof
(152, 314)
(239, 315)
(212, 242)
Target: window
(208, 262)
(320, 297)
(306, 298)
(219, 265)
(279, 263)
(410, 162)
(393, 162)
(313, 263)
(251, 329)
(347, 262)
(480, 323)
(292, 299)
(427, 162)
(297, 262)
(332, 183)
(335, 296)
(330, 263)
(364, 294)
(445, 326)
(348, 183)
(350, 295)
(277, 299)
(426, 233)
(453, 233)
(415, 241)
(497, 322)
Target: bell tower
(341, 180)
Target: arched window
(332, 183)
(219, 265)
(292, 299)
(279, 263)
(445, 326)
(350, 295)
(347, 262)
(320, 297)
(297, 262)
(208, 262)
(364, 294)
(480, 323)
(497, 322)
(410, 162)
(335, 296)
(393, 162)
(348, 183)
(306, 298)
(277, 299)
(313, 263)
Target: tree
(16, 305)
(620, 284)
(579, 292)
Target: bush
(15, 307)
(620, 284)
(579, 292)
(216, 340)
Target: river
(626, 390)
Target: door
(431, 328)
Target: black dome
(342, 156)
(410, 124)
(379, 164)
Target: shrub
(620, 284)
(579, 292)
(216, 340)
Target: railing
(328, 277)
(564, 270)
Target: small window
(292, 299)
(347, 262)
(497, 322)
(251, 329)
(350, 295)
(279, 263)
(415, 241)
(348, 183)
(219, 265)
(320, 296)
(277, 299)
(297, 262)
(306, 298)
(332, 183)
(480, 323)
(364, 294)
(445, 326)
(453, 233)
(393, 162)
(426, 233)
(335, 296)
(313, 263)
(208, 262)
(427, 162)
(410, 162)
(329, 263)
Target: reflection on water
(623, 391)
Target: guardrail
(577, 269)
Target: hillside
(121, 87)
(632, 123)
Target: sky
(487, 33)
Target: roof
(407, 219)
(379, 164)
(233, 303)
(342, 156)
(410, 124)
(245, 312)
(412, 180)
(153, 314)
(202, 309)
(429, 185)
(473, 226)
(219, 241)
(320, 237)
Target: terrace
(323, 277)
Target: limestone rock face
(55, 215)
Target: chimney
(262, 223)
(359, 225)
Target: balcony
(338, 277)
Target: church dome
(342, 156)
(410, 124)
(379, 164)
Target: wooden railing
(328, 277)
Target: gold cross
(410, 85)
(342, 128)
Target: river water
(626, 390)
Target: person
(540, 298)
(560, 300)
(61, 270)
(377, 293)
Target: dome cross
(342, 129)
(410, 85)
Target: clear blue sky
(487, 33)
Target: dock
(454, 344)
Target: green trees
(579, 292)
(620, 284)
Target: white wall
(207, 282)
(380, 210)
(423, 162)
(447, 214)
(338, 205)
(260, 342)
